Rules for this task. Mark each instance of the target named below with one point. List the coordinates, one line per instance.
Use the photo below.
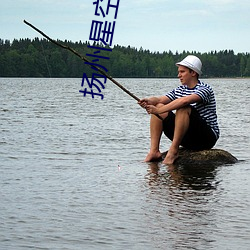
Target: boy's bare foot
(153, 156)
(170, 157)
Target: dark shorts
(199, 135)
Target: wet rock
(204, 157)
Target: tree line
(41, 58)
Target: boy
(194, 125)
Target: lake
(72, 174)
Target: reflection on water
(184, 195)
(189, 177)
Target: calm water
(72, 175)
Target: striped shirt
(206, 108)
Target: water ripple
(72, 175)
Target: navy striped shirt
(206, 108)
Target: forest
(41, 58)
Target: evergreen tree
(41, 58)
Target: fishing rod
(86, 60)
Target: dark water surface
(72, 175)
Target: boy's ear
(194, 73)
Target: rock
(213, 157)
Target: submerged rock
(204, 157)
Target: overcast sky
(157, 25)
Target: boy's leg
(156, 128)
(199, 135)
(181, 127)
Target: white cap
(191, 62)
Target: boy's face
(185, 75)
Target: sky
(155, 25)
